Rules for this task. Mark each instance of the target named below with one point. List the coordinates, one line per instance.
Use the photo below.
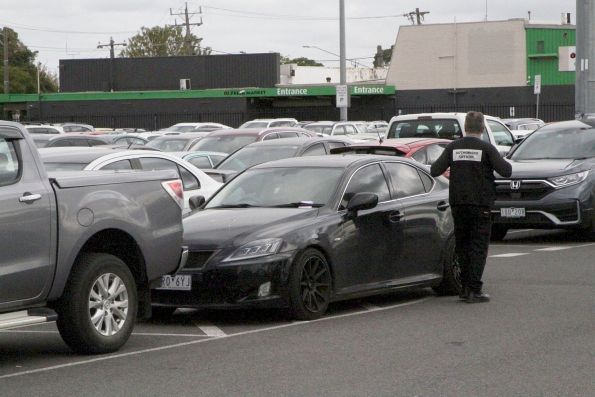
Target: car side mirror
(361, 201)
(196, 202)
(518, 140)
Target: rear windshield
(255, 124)
(223, 143)
(249, 156)
(169, 144)
(321, 129)
(434, 128)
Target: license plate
(179, 282)
(512, 212)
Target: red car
(423, 150)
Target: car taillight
(175, 190)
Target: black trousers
(473, 226)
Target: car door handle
(443, 206)
(395, 216)
(29, 198)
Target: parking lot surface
(535, 338)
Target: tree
(22, 69)
(162, 42)
(301, 61)
(386, 56)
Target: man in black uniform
(472, 163)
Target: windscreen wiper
(299, 204)
(239, 205)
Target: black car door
(361, 242)
(420, 213)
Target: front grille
(528, 190)
(198, 259)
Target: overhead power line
(51, 30)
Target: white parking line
(509, 255)
(24, 331)
(195, 342)
(556, 248)
(210, 330)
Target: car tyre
(451, 277)
(498, 232)
(310, 284)
(98, 309)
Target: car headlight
(570, 179)
(256, 249)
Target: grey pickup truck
(82, 248)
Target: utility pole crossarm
(187, 15)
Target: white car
(270, 123)
(194, 181)
(448, 126)
(44, 129)
(194, 127)
(520, 128)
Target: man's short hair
(474, 122)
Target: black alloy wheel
(310, 286)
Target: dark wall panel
(164, 73)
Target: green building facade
(543, 59)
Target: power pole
(343, 66)
(186, 14)
(585, 55)
(6, 78)
(416, 16)
(112, 55)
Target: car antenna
(380, 139)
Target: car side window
(406, 180)
(200, 162)
(420, 156)
(288, 134)
(333, 145)
(315, 150)
(501, 134)
(270, 136)
(188, 180)
(350, 130)
(9, 163)
(118, 165)
(433, 152)
(369, 179)
(93, 142)
(340, 130)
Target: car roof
(182, 135)
(255, 131)
(295, 141)
(410, 142)
(339, 161)
(71, 154)
(437, 115)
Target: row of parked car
(290, 219)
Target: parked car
(82, 248)
(448, 126)
(202, 160)
(129, 139)
(305, 231)
(176, 142)
(228, 141)
(520, 128)
(194, 181)
(552, 184)
(332, 128)
(196, 127)
(276, 149)
(75, 127)
(422, 150)
(62, 140)
(270, 123)
(44, 129)
(378, 126)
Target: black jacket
(472, 164)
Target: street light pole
(343, 66)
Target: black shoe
(477, 297)
(464, 293)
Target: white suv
(448, 126)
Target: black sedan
(303, 232)
(552, 183)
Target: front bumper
(565, 208)
(232, 285)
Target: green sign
(279, 92)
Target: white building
(292, 74)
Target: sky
(72, 29)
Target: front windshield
(64, 166)
(252, 155)
(255, 124)
(279, 187)
(557, 144)
(168, 145)
(223, 143)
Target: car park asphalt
(536, 338)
